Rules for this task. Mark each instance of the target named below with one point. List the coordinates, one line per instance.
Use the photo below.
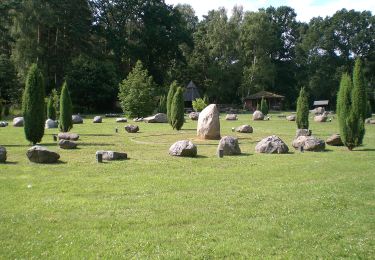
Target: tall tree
(177, 107)
(172, 91)
(66, 109)
(302, 110)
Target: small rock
(121, 120)
(3, 154)
(184, 148)
(291, 118)
(194, 116)
(97, 119)
(335, 140)
(244, 129)
(138, 119)
(131, 128)
(77, 119)
(111, 155)
(272, 144)
(229, 145)
(18, 122)
(67, 144)
(50, 124)
(40, 154)
(68, 136)
(231, 117)
(309, 143)
(303, 132)
(158, 118)
(3, 124)
(258, 115)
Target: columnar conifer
(51, 112)
(177, 109)
(66, 110)
(302, 110)
(264, 106)
(172, 91)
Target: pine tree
(66, 110)
(172, 91)
(33, 106)
(302, 110)
(51, 112)
(177, 109)
(264, 106)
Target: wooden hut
(274, 101)
(321, 103)
(191, 93)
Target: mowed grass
(296, 205)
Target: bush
(51, 111)
(136, 92)
(199, 104)
(162, 108)
(302, 110)
(177, 109)
(1, 109)
(264, 106)
(172, 90)
(66, 110)
(33, 106)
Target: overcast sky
(305, 9)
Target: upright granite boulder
(68, 136)
(3, 154)
(18, 122)
(158, 118)
(229, 145)
(272, 144)
(184, 148)
(258, 115)
(309, 143)
(209, 123)
(244, 129)
(50, 124)
(77, 119)
(335, 140)
(40, 154)
(97, 119)
(112, 155)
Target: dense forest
(94, 44)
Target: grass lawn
(296, 205)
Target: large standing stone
(111, 155)
(184, 148)
(244, 129)
(18, 122)
(3, 124)
(271, 144)
(50, 124)
(309, 143)
(131, 128)
(3, 154)
(335, 140)
(97, 119)
(121, 120)
(303, 132)
(67, 144)
(158, 118)
(194, 116)
(77, 119)
(258, 115)
(209, 123)
(321, 118)
(231, 117)
(291, 118)
(229, 145)
(68, 136)
(39, 154)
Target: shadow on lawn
(96, 134)
(28, 145)
(365, 150)
(10, 163)
(94, 144)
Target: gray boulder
(131, 128)
(303, 132)
(68, 136)
(244, 129)
(40, 154)
(138, 119)
(18, 122)
(111, 155)
(291, 118)
(77, 119)
(67, 144)
(121, 120)
(184, 148)
(370, 121)
(229, 145)
(50, 124)
(231, 117)
(209, 123)
(3, 154)
(194, 116)
(3, 124)
(258, 115)
(158, 118)
(97, 119)
(272, 144)
(321, 118)
(309, 143)
(335, 140)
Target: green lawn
(296, 205)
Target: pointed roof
(264, 94)
(191, 92)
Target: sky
(305, 9)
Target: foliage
(199, 104)
(33, 106)
(136, 92)
(368, 109)
(177, 109)
(258, 107)
(9, 87)
(172, 91)
(162, 108)
(264, 106)
(302, 119)
(51, 111)
(56, 101)
(1, 109)
(66, 109)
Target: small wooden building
(321, 103)
(274, 101)
(191, 93)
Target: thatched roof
(191, 92)
(264, 94)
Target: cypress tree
(66, 108)
(302, 110)
(51, 112)
(172, 91)
(343, 110)
(264, 106)
(177, 109)
(33, 106)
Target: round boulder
(291, 118)
(309, 143)
(229, 145)
(18, 122)
(97, 119)
(194, 116)
(68, 136)
(303, 132)
(67, 144)
(231, 117)
(335, 140)
(131, 128)
(158, 118)
(50, 124)
(3, 154)
(321, 118)
(112, 156)
(184, 148)
(121, 120)
(258, 115)
(272, 144)
(40, 154)
(244, 129)
(3, 124)
(209, 123)
(77, 119)
(370, 121)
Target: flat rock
(303, 132)
(77, 119)
(244, 129)
(138, 119)
(18, 122)
(309, 143)
(335, 140)
(97, 119)
(209, 123)
(68, 136)
(194, 116)
(3, 124)
(111, 155)
(121, 120)
(158, 118)
(258, 115)
(370, 121)
(321, 118)
(229, 145)
(50, 124)
(40, 154)
(231, 117)
(131, 128)
(291, 118)
(272, 144)
(184, 148)
(67, 144)
(3, 154)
